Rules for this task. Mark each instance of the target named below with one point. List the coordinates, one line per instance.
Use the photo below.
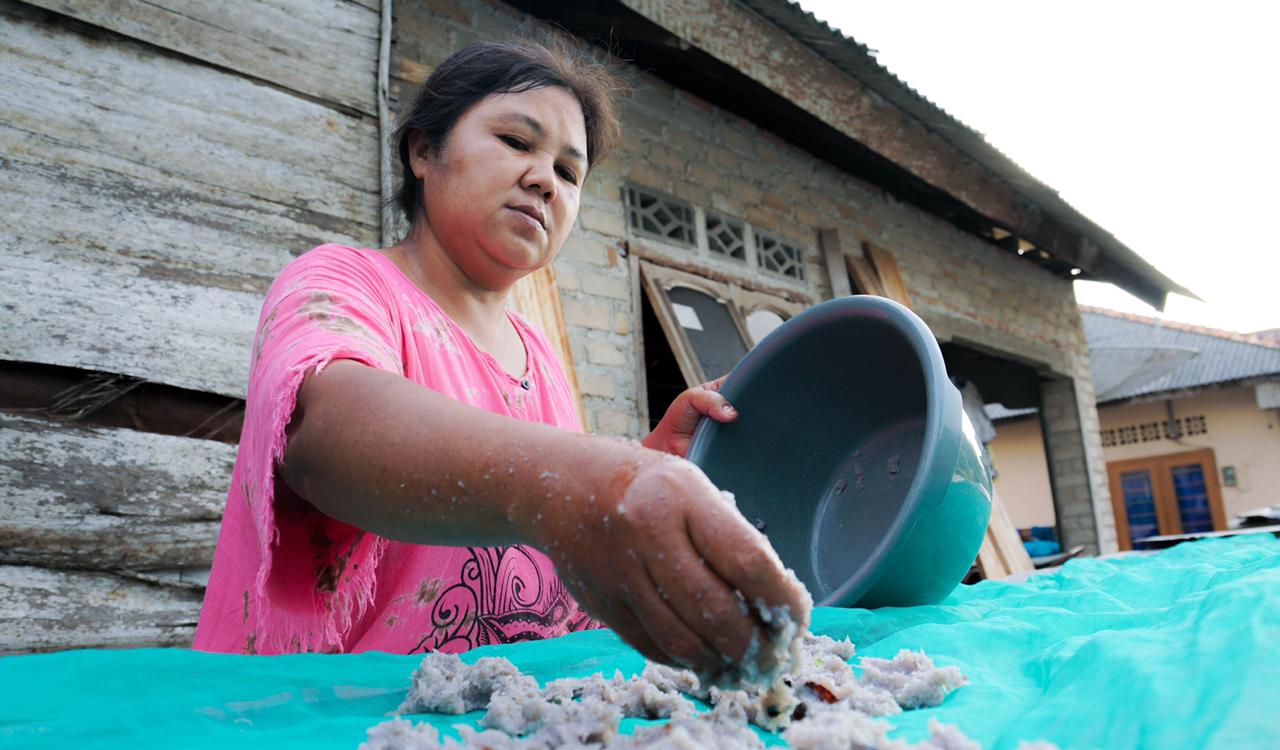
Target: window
(713, 237)
(1147, 432)
(763, 322)
(709, 325)
(656, 215)
(779, 257)
(726, 237)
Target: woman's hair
(485, 68)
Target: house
(165, 160)
(1190, 428)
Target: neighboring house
(1190, 427)
(164, 160)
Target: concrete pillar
(1077, 471)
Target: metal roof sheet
(1221, 356)
(858, 61)
(1117, 340)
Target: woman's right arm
(643, 540)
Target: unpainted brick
(615, 286)
(647, 175)
(451, 9)
(582, 249)
(763, 218)
(735, 138)
(604, 352)
(622, 324)
(726, 205)
(670, 159)
(598, 385)
(745, 192)
(637, 119)
(705, 175)
(568, 281)
(606, 220)
(776, 202)
(587, 315)
(612, 422)
(686, 142)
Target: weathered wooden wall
(161, 161)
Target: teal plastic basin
(853, 454)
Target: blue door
(1140, 504)
(1165, 495)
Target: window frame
(657, 280)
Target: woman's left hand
(674, 433)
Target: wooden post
(537, 297)
(829, 240)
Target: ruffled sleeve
(312, 576)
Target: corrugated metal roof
(1119, 340)
(1221, 356)
(858, 61)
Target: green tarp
(1175, 650)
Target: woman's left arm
(674, 433)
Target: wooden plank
(1003, 543)
(864, 276)
(166, 122)
(291, 43)
(108, 499)
(833, 256)
(152, 189)
(990, 564)
(51, 610)
(113, 316)
(887, 270)
(537, 297)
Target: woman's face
(503, 194)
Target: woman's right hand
(670, 564)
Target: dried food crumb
(911, 678)
(445, 684)
(818, 703)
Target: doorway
(1176, 493)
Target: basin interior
(830, 434)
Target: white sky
(1157, 120)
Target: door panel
(1140, 503)
(1192, 497)
(1172, 494)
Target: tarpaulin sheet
(1175, 650)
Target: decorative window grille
(777, 256)
(661, 217)
(1147, 432)
(726, 237)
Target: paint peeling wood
(167, 122)
(142, 188)
(93, 312)
(110, 499)
(51, 610)
(322, 48)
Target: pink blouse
(286, 577)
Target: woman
(370, 512)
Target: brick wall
(965, 288)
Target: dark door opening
(661, 371)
